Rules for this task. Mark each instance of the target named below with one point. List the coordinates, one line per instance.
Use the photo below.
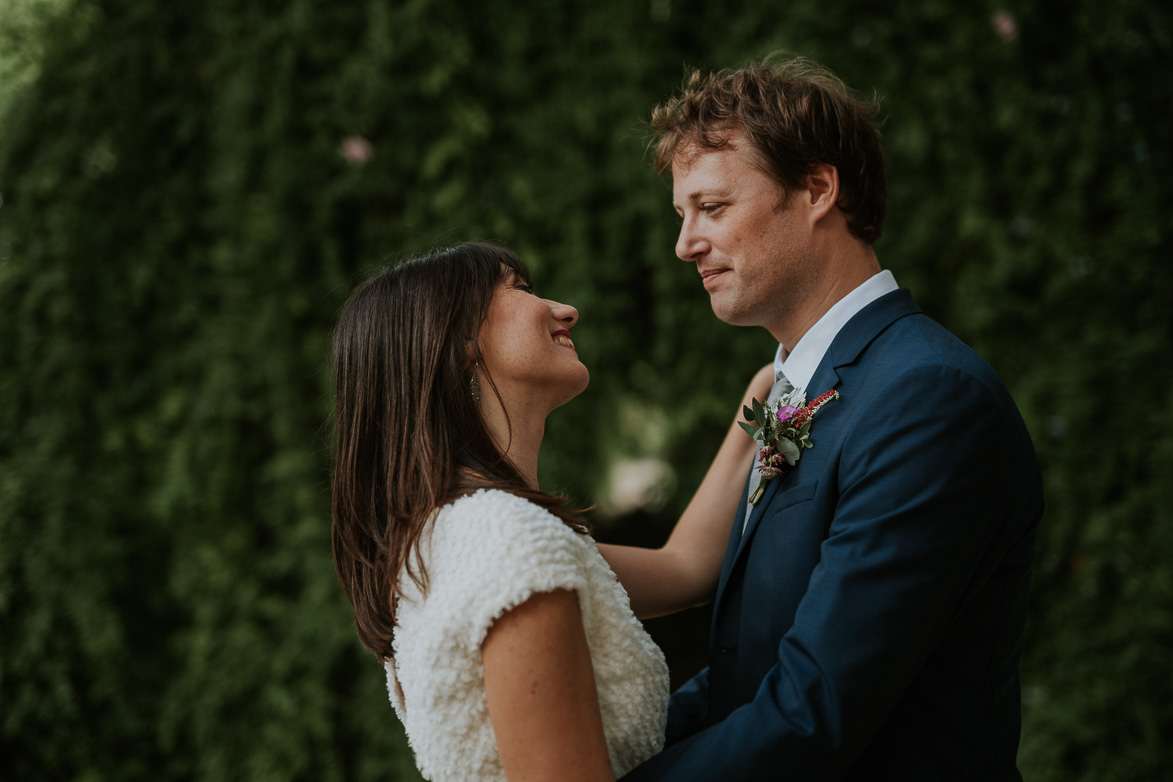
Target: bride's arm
(684, 572)
(540, 687)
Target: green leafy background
(179, 226)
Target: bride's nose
(563, 313)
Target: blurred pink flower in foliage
(357, 151)
(1005, 26)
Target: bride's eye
(524, 286)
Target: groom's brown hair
(796, 114)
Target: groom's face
(751, 243)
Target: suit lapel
(734, 545)
(845, 349)
(759, 510)
(867, 324)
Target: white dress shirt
(800, 364)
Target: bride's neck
(519, 437)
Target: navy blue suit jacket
(868, 622)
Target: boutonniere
(784, 430)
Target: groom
(868, 621)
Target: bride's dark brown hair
(410, 437)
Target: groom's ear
(821, 192)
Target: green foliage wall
(179, 224)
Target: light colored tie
(781, 386)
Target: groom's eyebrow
(708, 192)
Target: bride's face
(525, 345)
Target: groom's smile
(710, 276)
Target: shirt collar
(800, 365)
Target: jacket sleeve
(928, 497)
(688, 708)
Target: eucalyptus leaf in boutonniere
(784, 429)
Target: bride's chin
(585, 381)
(573, 389)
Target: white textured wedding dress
(484, 554)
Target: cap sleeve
(490, 552)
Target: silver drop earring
(474, 384)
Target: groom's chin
(728, 314)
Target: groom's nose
(690, 246)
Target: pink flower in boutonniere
(784, 430)
(784, 413)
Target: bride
(511, 651)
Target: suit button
(727, 649)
